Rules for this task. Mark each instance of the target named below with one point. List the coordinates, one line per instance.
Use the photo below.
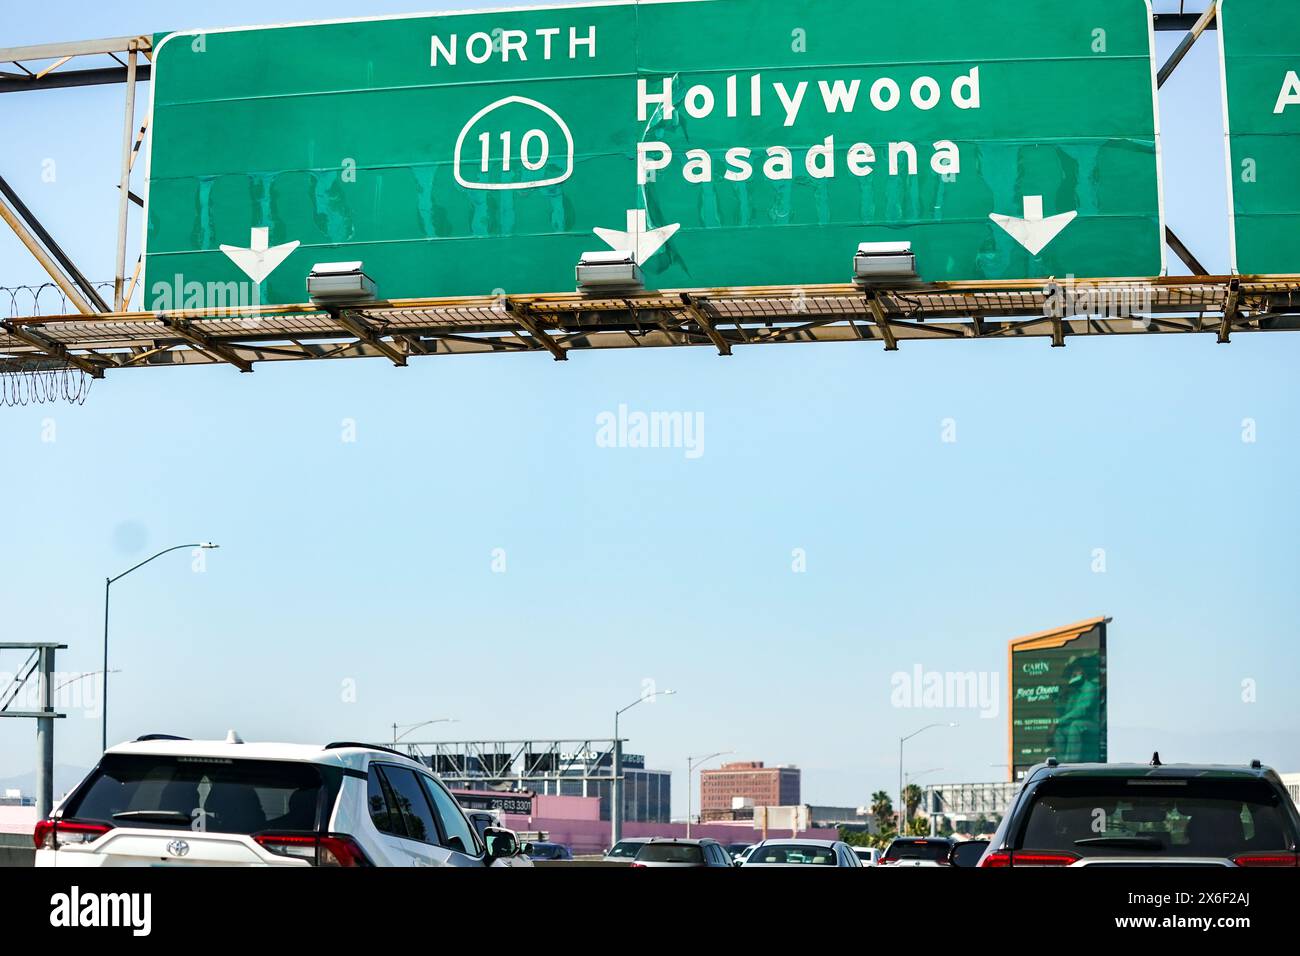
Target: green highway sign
(726, 143)
(1260, 45)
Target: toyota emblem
(178, 848)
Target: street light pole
(615, 791)
(108, 583)
(902, 793)
(691, 764)
(423, 723)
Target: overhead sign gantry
(731, 155)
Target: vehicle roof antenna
(233, 738)
(1155, 759)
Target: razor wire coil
(24, 384)
(25, 381)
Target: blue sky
(370, 561)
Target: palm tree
(882, 808)
(913, 796)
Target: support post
(45, 734)
(124, 197)
(615, 790)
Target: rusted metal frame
(48, 252)
(1058, 330)
(207, 343)
(52, 67)
(1230, 311)
(124, 197)
(882, 321)
(357, 326)
(50, 347)
(522, 314)
(927, 330)
(784, 332)
(696, 309)
(498, 343)
(54, 76)
(1185, 254)
(1198, 28)
(52, 51)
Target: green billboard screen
(726, 143)
(1057, 688)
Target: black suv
(1148, 815)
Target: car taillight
(43, 836)
(340, 851)
(1267, 859)
(1032, 858)
(639, 866)
(50, 834)
(329, 849)
(1005, 858)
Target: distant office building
(858, 819)
(746, 784)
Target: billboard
(726, 143)
(1057, 688)
(1259, 43)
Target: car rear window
(917, 850)
(791, 853)
(201, 793)
(625, 849)
(547, 851)
(671, 853)
(1145, 816)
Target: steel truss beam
(983, 311)
(20, 70)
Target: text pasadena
(884, 95)
(778, 162)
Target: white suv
(168, 801)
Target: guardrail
(16, 850)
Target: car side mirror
(967, 854)
(501, 844)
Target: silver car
(625, 850)
(803, 853)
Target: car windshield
(794, 853)
(626, 848)
(200, 793)
(1178, 816)
(671, 853)
(917, 850)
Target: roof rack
(145, 737)
(340, 744)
